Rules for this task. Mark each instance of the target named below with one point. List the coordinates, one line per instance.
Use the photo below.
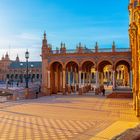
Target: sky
(23, 22)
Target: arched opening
(16, 76)
(72, 77)
(56, 77)
(105, 73)
(88, 76)
(93, 75)
(122, 69)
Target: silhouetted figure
(36, 95)
(17, 83)
(103, 91)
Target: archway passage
(88, 76)
(105, 73)
(72, 77)
(56, 78)
(123, 74)
(87, 68)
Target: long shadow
(75, 108)
(51, 127)
(54, 101)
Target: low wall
(120, 95)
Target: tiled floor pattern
(22, 127)
(62, 117)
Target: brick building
(68, 71)
(16, 70)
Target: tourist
(103, 91)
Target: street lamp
(27, 57)
(32, 66)
(20, 77)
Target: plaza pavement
(70, 117)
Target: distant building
(16, 70)
(75, 71)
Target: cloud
(17, 44)
(28, 37)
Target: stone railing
(86, 50)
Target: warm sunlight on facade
(134, 34)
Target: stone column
(131, 78)
(83, 78)
(113, 79)
(69, 76)
(137, 103)
(134, 91)
(64, 81)
(80, 88)
(101, 78)
(75, 80)
(97, 78)
(90, 77)
(73, 77)
(49, 82)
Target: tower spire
(44, 34)
(113, 44)
(44, 42)
(2, 57)
(6, 56)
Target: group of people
(100, 90)
(11, 83)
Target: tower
(44, 41)
(134, 35)
(7, 57)
(46, 50)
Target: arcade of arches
(72, 77)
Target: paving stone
(62, 117)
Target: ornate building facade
(75, 71)
(134, 34)
(16, 70)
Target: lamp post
(32, 66)
(27, 57)
(20, 77)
